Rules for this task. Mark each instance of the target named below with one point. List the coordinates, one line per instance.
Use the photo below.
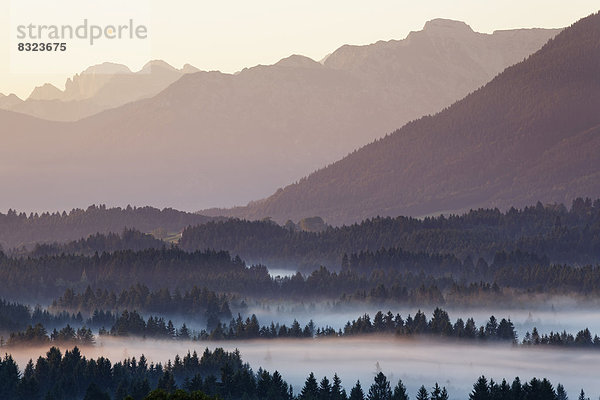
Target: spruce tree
(439, 393)
(337, 391)
(325, 389)
(400, 391)
(436, 392)
(310, 391)
(422, 394)
(481, 390)
(444, 394)
(357, 393)
(516, 389)
(380, 389)
(561, 393)
(9, 377)
(171, 329)
(184, 333)
(582, 396)
(546, 391)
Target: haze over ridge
(214, 139)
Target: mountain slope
(532, 133)
(213, 139)
(438, 65)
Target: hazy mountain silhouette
(438, 65)
(45, 92)
(9, 101)
(532, 133)
(214, 139)
(96, 89)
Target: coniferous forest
(220, 374)
(546, 233)
(201, 289)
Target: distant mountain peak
(45, 92)
(189, 69)
(446, 26)
(108, 68)
(11, 96)
(9, 100)
(150, 65)
(298, 61)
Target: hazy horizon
(239, 35)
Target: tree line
(38, 335)
(439, 325)
(47, 277)
(70, 375)
(17, 229)
(217, 374)
(128, 239)
(200, 304)
(131, 323)
(16, 316)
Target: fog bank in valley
(416, 362)
(563, 315)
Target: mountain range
(214, 139)
(98, 88)
(532, 133)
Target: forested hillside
(552, 233)
(49, 276)
(18, 228)
(129, 239)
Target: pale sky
(230, 35)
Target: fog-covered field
(416, 362)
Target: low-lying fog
(416, 362)
(547, 318)
(281, 273)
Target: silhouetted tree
(400, 391)
(380, 389)
(357, 393)
(310, 391)
(422, 394)
(481, 390)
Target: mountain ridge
(98, 88)
(495, 147)
(214, 139)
